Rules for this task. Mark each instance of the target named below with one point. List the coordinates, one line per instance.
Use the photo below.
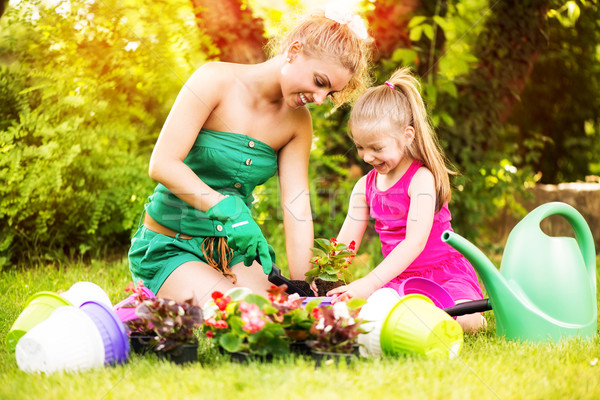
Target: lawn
(487, 368)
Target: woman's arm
(357, 218)
(295, 198)
(195, 102)
(418, 227)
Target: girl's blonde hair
(323, 37)
(400, 107)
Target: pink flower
(210, 321)
(251, 317)
(221, 324)
(293, 301)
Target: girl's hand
(361, 288)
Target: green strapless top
(230, 163)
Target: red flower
(222, 302)
(216, 295)
(210, 334)
(352, 246)
(333, 241)
(316, 313)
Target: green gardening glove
(244, 234)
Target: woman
(230, 129)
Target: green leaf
(236, 323)
(318, 252)
(404, 56)
(324, 243)
(312, 304)
(331, 270)
(428, 31)
(356, 303)
(448, 120)
(415, 33)
(230, 342)
(573, 11)
(258, 300)
(442, 23)
(329, 277)
(416, 20)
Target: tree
(236, 33)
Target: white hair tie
(341, 14)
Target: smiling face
(307, 79)
(382, 149)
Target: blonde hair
(323, 37)
(401, 107)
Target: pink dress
(438, 261)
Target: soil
(325, 286)
(304, 286)
(322, 286)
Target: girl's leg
(195, 279)
(471, 323)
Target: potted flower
(330, 265)
(296, 320)
(170, 325)
(336, 329)
(141, 334)
(245, 328)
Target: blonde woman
(230, 129)
(406, 193)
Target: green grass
(487, 368)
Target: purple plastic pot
(128, 313)
(112, 330)
(326, 301)
(417, 285)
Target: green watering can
(546, 287)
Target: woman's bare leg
(195, 279)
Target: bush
(69, 187)
(84, 92)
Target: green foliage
(331, 261)
(557, 119)
(551, 371)
(85, 89)
(470, 85)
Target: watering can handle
(469, 307)
(583, 234)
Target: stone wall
(584, 197)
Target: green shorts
(153, 257)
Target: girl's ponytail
(399, 101)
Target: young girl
(406, 193)
(231, 128)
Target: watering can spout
(492, 280)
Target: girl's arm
(418, 227)
(195, 102)
(295, 198)
(357, 218)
